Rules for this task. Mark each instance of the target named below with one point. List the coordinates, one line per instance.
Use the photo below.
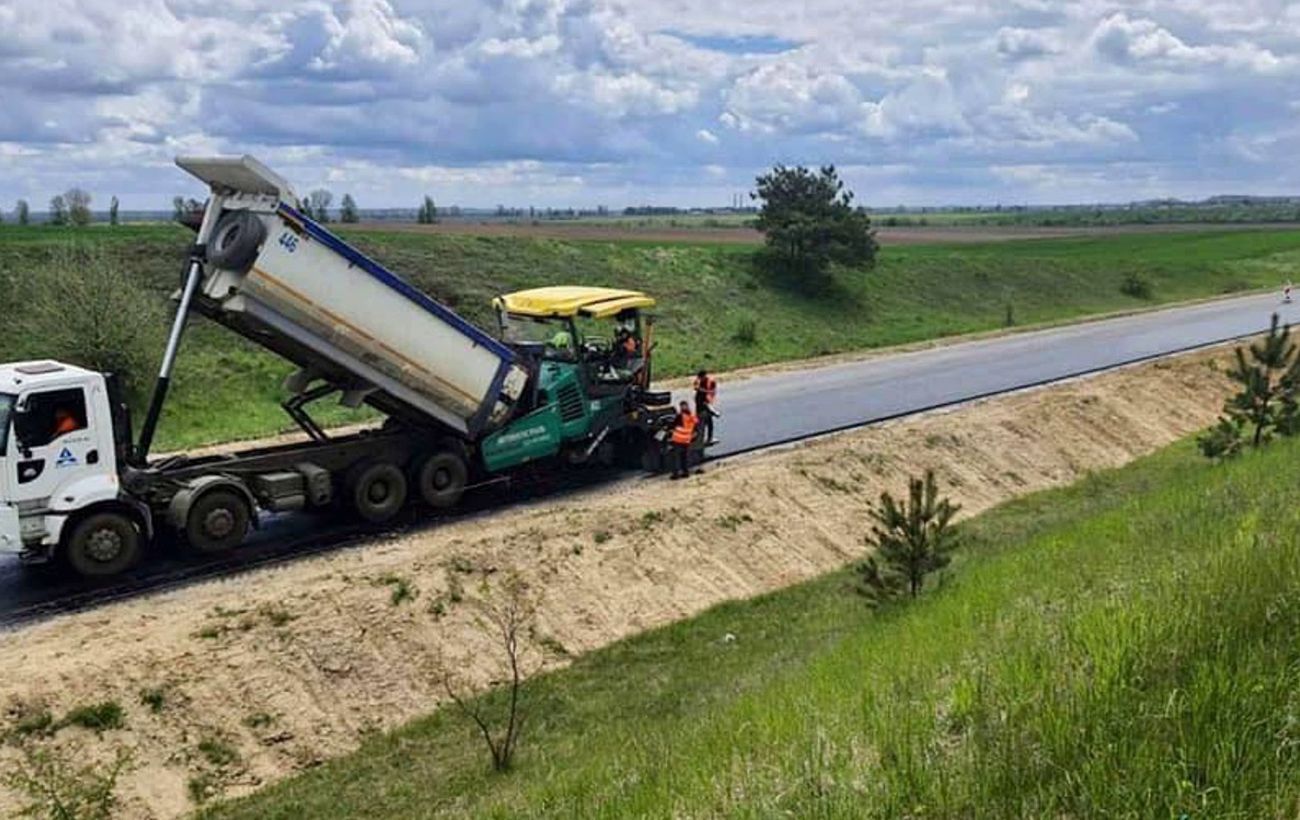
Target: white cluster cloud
(1124, 39)
(579, 100)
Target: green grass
(710, 297)
(1128, 646)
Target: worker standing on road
(681, 438)
(1286, 292)
(706, 398)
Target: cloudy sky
(583, 102)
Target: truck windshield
(6, 405)
(530, 330)
(552, 335)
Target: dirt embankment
(261, 675)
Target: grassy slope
(705, 292)
(1129, 646)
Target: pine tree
(1267, 402)
(23, 212)
(912, 539)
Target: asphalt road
(765, 410)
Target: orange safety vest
(707, 386)
(684, 432)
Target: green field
(1079, 216)
(707, 294)
(1126, 647)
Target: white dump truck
(458, 402)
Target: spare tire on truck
(236, 241)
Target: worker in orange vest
(681, 438)
(706, 397)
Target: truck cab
(58, 456)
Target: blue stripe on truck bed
(480, 419)
(398, 284)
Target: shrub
(201, 786)
(259, 720)
(155, 698)
(217, 751)
(83, 308)
(746, 332)
(1222, 441)
(97, 716)
(34, 722)
(1135, 286)
(508, 616)
(402, 589)
(56, 788)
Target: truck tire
(236, 240)
(441, 479)
(103, 544)
(217, 521)
(377, 491)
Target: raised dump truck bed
(279, 278)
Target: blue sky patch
(738, 44)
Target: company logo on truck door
(520, 435)
(65, 459)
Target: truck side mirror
(22, 428)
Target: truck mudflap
(11, 538)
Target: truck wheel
(217, 522)
(378, 491)
(441, 479)
(103, 544)
(236, 241)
